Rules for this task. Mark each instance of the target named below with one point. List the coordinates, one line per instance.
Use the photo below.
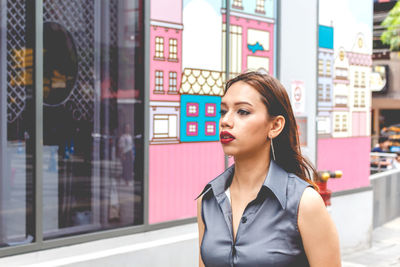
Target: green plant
(391, 35)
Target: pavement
(384, 252)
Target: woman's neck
(250, 171)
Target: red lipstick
(226, 137)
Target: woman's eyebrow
(237, 103)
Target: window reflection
(16, 124)
(92, 116)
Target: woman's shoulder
(298, 184)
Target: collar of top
(276, 181)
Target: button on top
(244, 219)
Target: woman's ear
(277, 125)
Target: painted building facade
(185, 119)
(165, 72)
(351, 94)
(325, 80)
(360, 64)
(341, 96)
(252, 35)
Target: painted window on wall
(356, 79)
(192, 128)
(211, 109)
(165, 126)
(159, 82)
(356, 99)
(362, 99)
(235, 49)
(237, 3)
(328, 93)
(258, 39)
(172, 82)
(320, 67)
(256, 63)
(320, 92)
(173, 49)
(363, 79)
(337, 123)
(192, 109)
(328, 68)
(210, 128)
(260, 6)
(159, 53)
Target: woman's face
(244, 122)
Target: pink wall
(177, 174)
(164, 10)
(165, 65)
(258, 25)
(359, 123)
(350, 155)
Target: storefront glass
(92, 116)
(16, 124)
(93, 97)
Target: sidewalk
(385, 250)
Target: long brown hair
(286, 144)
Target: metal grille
(77, 17)
(114, 44)
(17, 69)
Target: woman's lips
(226, 137)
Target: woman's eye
(243, 112)
(222, 112)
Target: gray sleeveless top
(267, 234)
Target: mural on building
(252, 33)
(344, 98)
(201, 92)
(187, 78)
(165, 73)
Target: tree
(391, 35)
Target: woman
(264, 210)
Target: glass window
(17, 116)
(173, 49)
(159, 48)
(92, 116)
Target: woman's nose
(226, 120)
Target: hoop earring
(273, 150)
